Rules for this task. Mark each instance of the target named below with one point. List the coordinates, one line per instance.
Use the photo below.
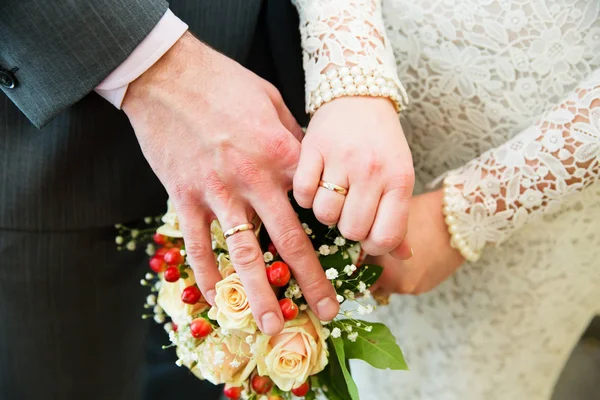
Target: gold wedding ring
(333, 187)
(237, 229)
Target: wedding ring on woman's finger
(237, 229)
(333, 187)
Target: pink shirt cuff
(164, 35)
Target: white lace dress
(505, 100)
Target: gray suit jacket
(83, 168)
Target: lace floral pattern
(478, 73)
(345, 33)
(530, 174)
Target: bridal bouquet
(222, 344)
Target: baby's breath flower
(130, 246)
(333, 249)
(151, 300)
(339, 241)
(349, 294)
(143, 282)
(249, 339)
(362, 287)
(336, 333)
(159, 318)
(368, 328)
(119, 240)
(349, 269)
(326, 332)
(219, 357)
(338, 283)
(367, 294)
(179, 363)
(150, 249)
(158, 309)
(331, 274)
(340, 298)
(148, 220)
(303, 307)
(268, 256)
(349, 328)
(168, 327)
(234, 363)
(307, 230)
(324, 250)
(135, 233)
(353, 336)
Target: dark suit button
(7, 79)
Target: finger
(247, 259)
(404, 251)
(297, 251)
(285, 115)
(328, 204)
(359, 211)
(389, 228)
(195, 226)
(307, 176)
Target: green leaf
(343, 383)
(377, 347)
(336, 261)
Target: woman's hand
(357, 143)
(434, 259)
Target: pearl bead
(362, 90)
(445, 209)
(355, 71)
(332, 74)
(344, 71)
(359, 80)
(394, 93)
(450, 220)
(367, 70)
(458, 238)
(336, 83)
(385, 91)
(337, 92)
(347, 80)
(370, 81)
(327, 96)
(323, 87)
(322, 78)
(377, 73)
(452, 229)
(374, 90)
(462, 244)
(380, 81)
(446, 191)
(351, 90)
(319, 101)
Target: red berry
(289, 309)
(278, 274)
(160, 252)
(262, 384)
(200, 328)
(175, 327)
(232, 392)
(160, 239)
(272, 249)
(157, 264)
(301, 390)
(172, 274)
(191, 295)
(173, 256)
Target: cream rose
(293, 355)
(169, 298)
(225, 265)
(171, 222)
(225, 358)
(231, 309)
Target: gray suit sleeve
(58, 51)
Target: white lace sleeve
(528, 176)
(346, 51)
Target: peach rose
(231, 309)
(171, 222)
(225, 358)
(169, 298)
(225, 265)
(293, 355)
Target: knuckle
(327, 216)
(214, 185)
(372, 165)
(387, 242)
(180, 191)
(292, 242)
(245, 256)
(303, 191)
(280, 149)
(196, 251)
(403, 182)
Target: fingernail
(327, 308)
(412, 253)
(210, 297)
(271, 324)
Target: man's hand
(224, 145)
(357, 143)
(434, 259)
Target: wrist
(159, 79)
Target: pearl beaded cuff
(355, 81)
(456, 240)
